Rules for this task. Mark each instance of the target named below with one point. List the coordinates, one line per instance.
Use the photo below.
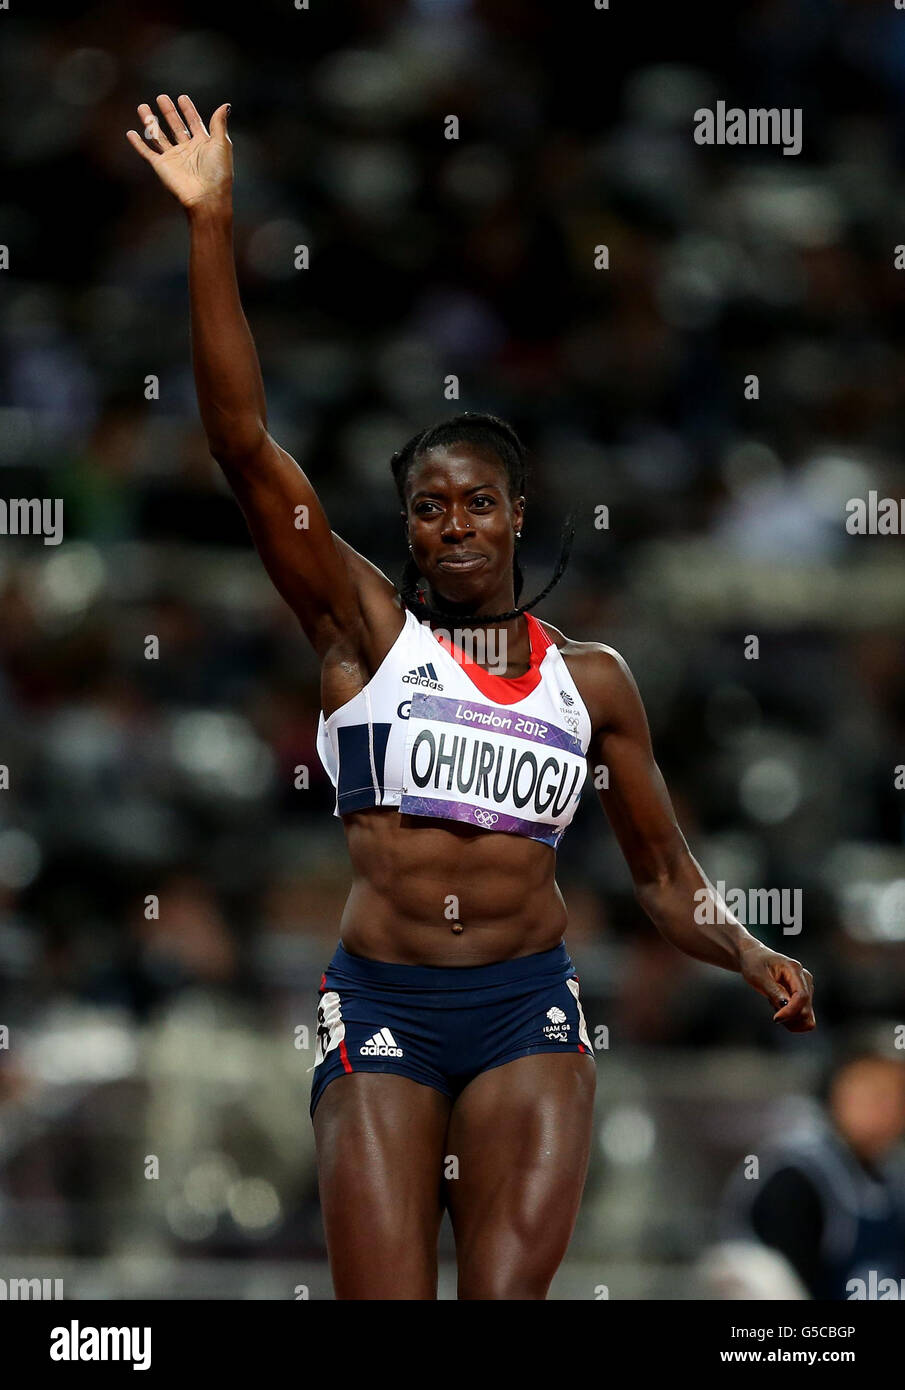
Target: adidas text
(423, 675)
(383, 1044)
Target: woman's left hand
(785, 982)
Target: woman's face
(462, 524)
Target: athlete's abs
(415, 880)
(454, 786)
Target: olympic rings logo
(485, 818)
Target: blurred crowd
(169, 893)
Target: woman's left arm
(670, 884)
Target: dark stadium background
(128, 777)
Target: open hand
(195, 165)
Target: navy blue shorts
(443, 1025)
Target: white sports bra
(436, 734)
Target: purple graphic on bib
(480, 816)
(470, 714)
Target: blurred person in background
(517, 1122)
(830, 1196)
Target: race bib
(490, 766)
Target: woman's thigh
(380, 1142)
(521, 1135)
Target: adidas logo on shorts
(423, 675)
(383, 1044)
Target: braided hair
(491, 433)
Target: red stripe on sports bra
(503, 689)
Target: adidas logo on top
(423, 675)
(383, 1044)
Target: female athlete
(453, 1065)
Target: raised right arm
(327, 584)
(282, 509)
